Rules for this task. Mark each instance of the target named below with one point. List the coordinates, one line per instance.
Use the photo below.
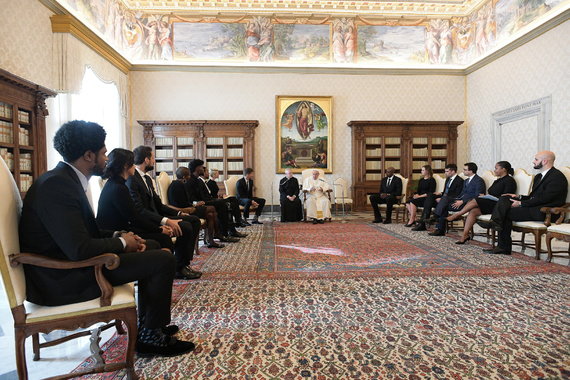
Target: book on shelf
(235, 140)
(235, 166)
(188, 152)
(8, 157)
(373, 176)
(420, 140)
(392, 140)
(26, 161)
(6, 132)
(5, 110)
(377, 152)
(219, 165)
(164, 167)
(438, 164)
(183, 163)
(25, 182)
(235, 152)
(215, 141)
(23, 117)
(439, 140)
(439, 152)
(392, 151)
(185, 140)
(164, 153)
(373, 165)
(423, 152)
(23, 136)
(374, 140)
(163, 141)
(214, 152)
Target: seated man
(452, 188)
(58, 222)
(198, 192)
(178, 198)
(245, 196)
(390, 190)
(473, 186)
(184, 226)
(291, 207)
(318, 203)
(549, 189)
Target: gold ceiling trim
(70, 24)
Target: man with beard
(58, 222)
(549, 189)
(184, 226)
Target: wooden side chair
(341, 196)
(231, 190)
(304, 175)
(115, 304)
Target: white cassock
(318, 204)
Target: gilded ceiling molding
(70, 24)
(207, 19)
(301, 20)
(392, 22)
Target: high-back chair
(231, 189)
(524, 181)
(341, 188)
(561, 228)
(439, 183)
(116, 303)
(306, 174)
(163, 181)
(489, 178)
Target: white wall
(536, 69)
(214, 96)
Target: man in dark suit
(58, 222)
(244, 187)
(147, 202)
(549, 189)
(199, 193)
(390, 190)
(452, 188)
(473, 186)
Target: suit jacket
(58, 222)
(148, 204)
(197, 190)
(549, 191)
(177, 195)
(503, 185)
(243, 191)
(213, 187)
(472, 189)
(455, 188)
(117, 210)
(395, 187)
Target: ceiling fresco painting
(146, 34)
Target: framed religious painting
(304, 133)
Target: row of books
(235, 165)
(24, 136)
(373, 177)
(8, 157)
(189, 152)
(438, 164)
(374, 140)
(374, 152)
(439, 152)
(5, 110)
(439, 140)
(235, 152)
(163, 141)
(26, 161)
(394, 164)
(25, 182)
(420, 140)
(185, 140)
(164, 167)
(392, 140)
(214, 152)
(215, 141)
(164, 153)
(423, 152)
(235, 140)
(6, 132)
(392, 151)
(373, 165)
(24, 116)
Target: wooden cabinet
(226, 145)
(22, 128)
(403, 145)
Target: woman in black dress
(504, 184)
(426, 185)
(291, 209)
(117, 210)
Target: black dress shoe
(229, 239)
(255, 221)
(410, 224)
(387, 221)
(377, 221)
(488, 250)
(437, 233)
(463, 241)
(244, 223)
(188, 274)
(237, 234)
(174, 348)
(420, 227)
(321, 221)
(499, 251)
(213, 244)
(170, 330)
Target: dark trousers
(504, 215)
(376, 199)
(442, 211)
(222, 210)
(154, 270)
(164, 241)
(246, 203)
(234, 208)
(185, 244)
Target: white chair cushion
(123, 296)
(560, 228)
(531, 225)
(339, 201)
(484, 218)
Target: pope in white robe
(318, 203)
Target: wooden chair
(560, 230)
(304, 175)
(340, 186)
(489, 177)
(115, 304)
(231, 190)
(163, 181)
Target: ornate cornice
(70, 24)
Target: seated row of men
(58, 222)
(461, 196)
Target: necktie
(389, 182)
(448, 186)
(148, 183)
(467, 182)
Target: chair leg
(36, 346)
(523, 244)
(537, 244)
(20, 338)
(119, 327)
(131, 322)
(549, 247)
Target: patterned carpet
(361, 301)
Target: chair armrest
(109, 260)
(549, 211)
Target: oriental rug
(360, 301)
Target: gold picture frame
(303, 127)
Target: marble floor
(65, 357)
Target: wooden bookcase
(22, 128)
(226, 145)
(404, 145)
